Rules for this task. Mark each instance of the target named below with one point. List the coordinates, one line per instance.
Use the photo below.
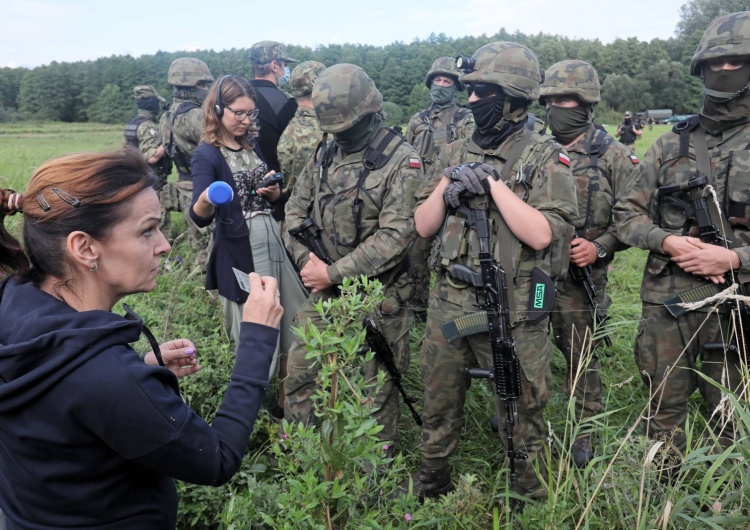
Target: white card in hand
(242, 279)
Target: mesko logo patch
(539, 296)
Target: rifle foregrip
(480, 373)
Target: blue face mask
(283, 80)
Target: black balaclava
(726, 98)
(359, 135)
(190, 93)
(150, 104)
(496, 118)
(567, 124)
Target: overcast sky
(36, 32)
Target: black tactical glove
(473, 176)
(452, 194)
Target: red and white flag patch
(564, 159)
(415, 162)
(634, 159)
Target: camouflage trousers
(572, 322)
(444, 368)
(420, 272)
(667, 352)
(179, 199)
(302, 380)
(165, 226)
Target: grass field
(624, 491)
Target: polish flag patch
(634, 159)
(415, 162)
(564, 159)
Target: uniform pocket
(738, 189)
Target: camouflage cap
(443, 66)
(303, 77)
(146, 91)
(265, 51)
(512, 66)
(342, 95)
(727, 36)
(572, 77)
(188, 71)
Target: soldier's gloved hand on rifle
(473, 176)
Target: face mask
(283, 80)
(149, 104)
(487, 111)
(200, 94)
(721, 113)
(357, 137)
(443, 96)
(567, 124)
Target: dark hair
(261, 70)
(87, 192)
(233, 87)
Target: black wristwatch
(601, 252)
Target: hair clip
(43, 204)
(15, 202)
(67, 197)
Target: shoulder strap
(515, 153)
(684, 128)
(184, 107)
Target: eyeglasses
(240, 115)
(482, 90)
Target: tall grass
(620, 489)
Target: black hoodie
(90, 436)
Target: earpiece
(219, 108)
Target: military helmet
(188, 71)
(265, 51)
(145, 92)
(571, 78)
(512, 66)
(443, 66)
(727, 36)
(342, 95)
(303, 77)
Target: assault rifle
(584, 275)
(377, 342)
(506, 368)
(689, 197)
(308, 233)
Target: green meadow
(620, 489)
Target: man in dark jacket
(270, 64)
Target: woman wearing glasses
(246, 236)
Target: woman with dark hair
(91, 434)
(246, 236)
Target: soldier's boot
(433, 480)
(582, 450)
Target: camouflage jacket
(185, 126)
(429, 131)
(549, 188)
(386, 205)
(598, 187)
(638, 215)
(149, 138)
(297, 144)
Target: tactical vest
(348, 204)
(176, 152)
(131, 130)
(598, 145)
(457, 243)
(163, 167)
(627, 136)
(429, 152)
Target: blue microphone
(220, 193)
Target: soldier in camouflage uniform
(181, 128)
(372, 240)
(429, 130)
(600, 167)
(142, 132)
(303, 134)
(536, 199)
(714, 145)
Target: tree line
(635, 75)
